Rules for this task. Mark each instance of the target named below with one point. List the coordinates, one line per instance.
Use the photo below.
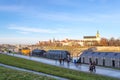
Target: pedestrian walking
(94, 67)
(68, 62)
(63, 60)
(60, 61)
(90, 66)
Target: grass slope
(49, 69)
(9, 74)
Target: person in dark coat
(68, 62)
(93, 65)
(60, 60)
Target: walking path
(85, 68)
(34, 72)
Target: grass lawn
(9, 74)
(49, 69)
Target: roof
(89, 36)
(26, 48)
(58, 51)
(38, 50)
(101, 54)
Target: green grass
(49, 69)
(9, 74)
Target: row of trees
(103, 42)
(109, 42)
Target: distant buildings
(7, 48)
(86, 41)
(92, 40)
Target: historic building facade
(91, 40)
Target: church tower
(97, 34)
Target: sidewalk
(99, 70)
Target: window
(83, 60)
(90, 60)
(113, 63)
(119, 64)
(103, 62)
(96, 61)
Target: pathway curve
(99, 70)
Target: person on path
(93, 65)
(90, 66)
(60, 61)
(68, 62)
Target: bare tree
(104, 42)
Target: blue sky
(28, 21)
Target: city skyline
(30, 21)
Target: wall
(109, 48)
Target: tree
(112, 42)
(103, 42)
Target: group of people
(61, 61)
(92, 64)
(92, 67)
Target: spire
(53, 39)
(97, 35)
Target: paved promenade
(99, 70)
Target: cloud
(75, 17)
(32, 12)
(18, 40)
(91, 17)
(27, 30)
(106, 18)
(65, 17)
(31, 30)
(23, 32)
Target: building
(111, 59)
(86, 41)
(92, 40)
(25, 51)
(38, 52)
(57, 54)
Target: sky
(30, 21)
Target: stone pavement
(83, 67)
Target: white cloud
(18, 40)
(26, 30)
(91, 17)
(31, 30)
(65, 17)
(23, 32)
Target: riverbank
(49, 69)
